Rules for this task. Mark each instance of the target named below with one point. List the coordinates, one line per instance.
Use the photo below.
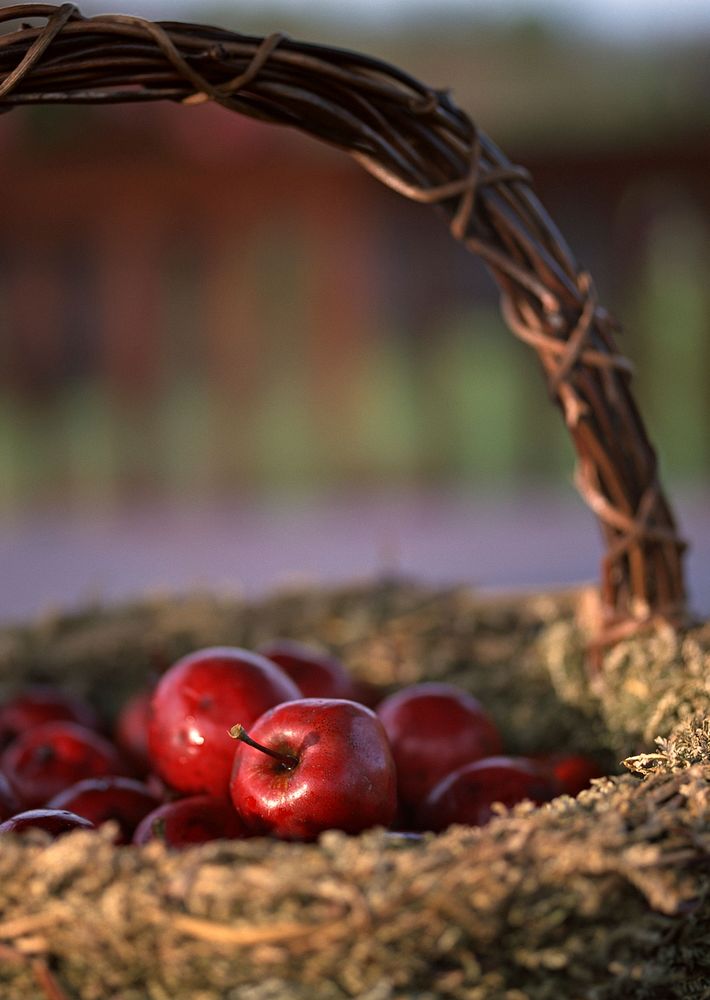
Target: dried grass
(600, 897)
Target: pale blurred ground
(536, 540)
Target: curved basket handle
(417, 141)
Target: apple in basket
(313, 765)
(55, 822)
(48, 758)
(194, 704)
(433, 728)
(39, 703)
(195, 819)
(468, 794)
(317, 675)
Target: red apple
(317, 675)
(53, 756)
(194, 704)
(192, 820)
(433, 728)
(41, 703)
(467, 794)
(100, 799)
(366, 693)
(9, 802)
(52, 821)
(572, 772)
(313, 765)
(131, 730)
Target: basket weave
(603, 896)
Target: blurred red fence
(190, 302)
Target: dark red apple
(366, 693)
(114, 798)
(42, 703)
(9, 802)
(131, 730)
(160, 789)
(467, 794)
(572, 772)
(317, 675)
(193, 820)
(43, 761)
(433, 728)
(52, 821)
(195, 703)
(313, 765)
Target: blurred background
(230, 358)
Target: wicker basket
(602, 896)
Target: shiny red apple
(194, 704)
(433, 728)
(313, 765)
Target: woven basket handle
(415, 140)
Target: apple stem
(238, 732)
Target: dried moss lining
(601, 897)
(649, 686)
